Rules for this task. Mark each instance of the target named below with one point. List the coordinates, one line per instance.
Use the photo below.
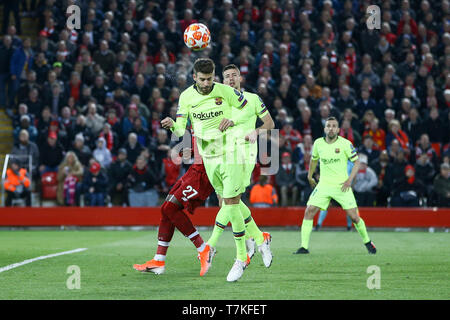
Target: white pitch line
(15, 265)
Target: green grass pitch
(412, 265)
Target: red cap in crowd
(53, 135)
(95, 167)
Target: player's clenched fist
(167, 123)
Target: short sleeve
(181, 118)
(351, 152)
(315, 152)
(261, 109)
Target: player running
(187, 194)
(209, 105)
(249, 149)
(334, 183)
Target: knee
(310, 212)
(168, 209)
(353, 216)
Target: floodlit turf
(413, 265)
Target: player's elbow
(270, 124)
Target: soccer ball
(197, 36)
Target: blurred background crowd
(86, 104)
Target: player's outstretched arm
(178, 127)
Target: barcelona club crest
(337, 150)
(218, 101)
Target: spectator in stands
(345, 99)
(424, 147)
(142, 108)
(441, 187)
(133, 147)
(101, 153)
(21, 59)
(425, 172)
(389, 115)
(26, 86)
(111, 138)
(350, 116)
(347, 132)
(22, 110)
(105, 58)
(128, 122)
(407, 189)
(34, 102)
(141, 185)
(82, 128)
(25, 148)
(368, 149)
(51, 154)
(263, 194)
(413, 126)
(140, 88)
(291, 135)
(110, 103)
(302, 148)
(56, 99)
(94, 186)
(17, 184)
(398, 134)
(6, 51)
(99, 90)
(160, 146)
(94, 121)
(285, 180)
(378, 135)
(82, 151)
(366, 103)
(365, 181)
(383, 170)
(434, 126)
(70, 172)
(118, 173)
(25, 124)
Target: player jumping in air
(334, 183)
(209, 106)
(247, 135)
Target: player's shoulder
(344, 141)
(188, 91)
(252, 95)
(319, 141)
(226, 88)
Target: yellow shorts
(322, 195)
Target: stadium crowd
(87, 104)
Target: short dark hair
(332, 118)
(204, 65)
(230, 66)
